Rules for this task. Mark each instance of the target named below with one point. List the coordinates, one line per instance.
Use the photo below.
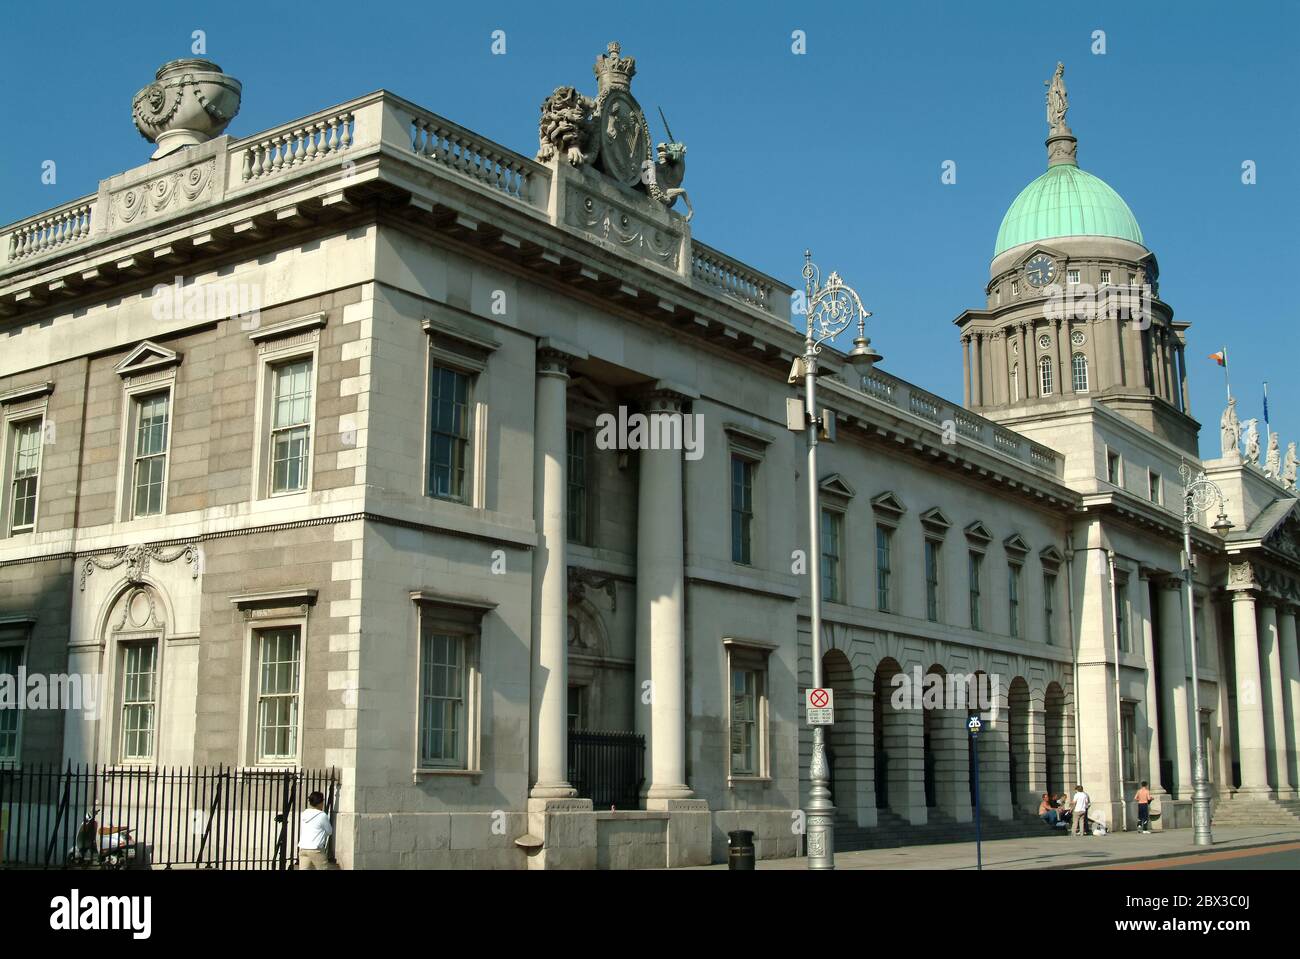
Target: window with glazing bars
(884, 561)
(742, 508)
(139, 684)
(291, 426)
(448, 432)
(279, 654)
(26, 473)
(576, 480)
(150, 462)
(442, 699)
(11, 657)
(744, 722)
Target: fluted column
(660, 624)
(1001, 386)
(1063, 381)
(1270, 668)
(1182, 378)
(1027, 371)
(1250, 714)
(1173, 685)
(978, 387)
(1290, 690)
(1119, 377)
(550, 653)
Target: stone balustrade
(969, 428)
(379, 125)
(733, 279)
(50, 231)
(454, 148)
(314, 139)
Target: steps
(1256, 811)
(893, 830)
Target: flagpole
(1226, 385)
(1268, 431)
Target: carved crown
(613, 70)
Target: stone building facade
(305, 459)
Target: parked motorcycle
(109, 847)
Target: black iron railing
(212, 817)
(607, 768)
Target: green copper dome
(1066, 201)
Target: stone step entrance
(1256, 811)
(893, 830)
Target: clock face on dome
(1040, 270)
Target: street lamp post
(1199, 494)
(830, 309)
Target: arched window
(1080, 367)
(1045, 376)
(1015, 383)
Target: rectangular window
(149, 465)
(11, 658)
(1199, 619)
(139, 700)
(1153, 487)
(832, 525)
(742, 509)
(1013, 600)
(1049, 607)
(1121, 614)
(884, 536)
(26, 474)
(577, 708)
(278, 656)
(1105, 277)
(744, 722)
(291, 426)
(448, 432)
(1128, 735)
(932, 580)
(1072, 277)
(1112, 468)
(976, 567)
(442, 698)
(576, 480)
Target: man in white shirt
(314, 836)
(1080, 817)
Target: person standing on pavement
(1143, 798)
(1081, 802)
(314, 836)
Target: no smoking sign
(819, 704)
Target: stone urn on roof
(190, 102)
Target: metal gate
(210, 817)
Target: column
(1250, 715)
(1064, 382)
(1118, 374)
(550, 654)
(965, 369)
(1290, 690)
(978, 387)
(952, 764)
(1270, 668)
(1028, 371)
(1173, 685)
(1036, 749)
(995, 759)
(1001, 384)
(660, 625)
(1150, 711)
(1182, 378)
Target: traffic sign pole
(974, 727)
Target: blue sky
(839, 149)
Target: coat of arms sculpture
(610, 133)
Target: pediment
(1051, 557)
(935, 521)
(837, 485)
(1015, 545)
(889, 504)
(147, 357)
(1036, 249)
(979, 533)
(1284, 536)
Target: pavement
(1053, 851)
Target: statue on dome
(1252, 442)
(1273, 459)
(1289, 467)
(1230, 429)
(1058, 101)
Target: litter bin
(740, 849)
